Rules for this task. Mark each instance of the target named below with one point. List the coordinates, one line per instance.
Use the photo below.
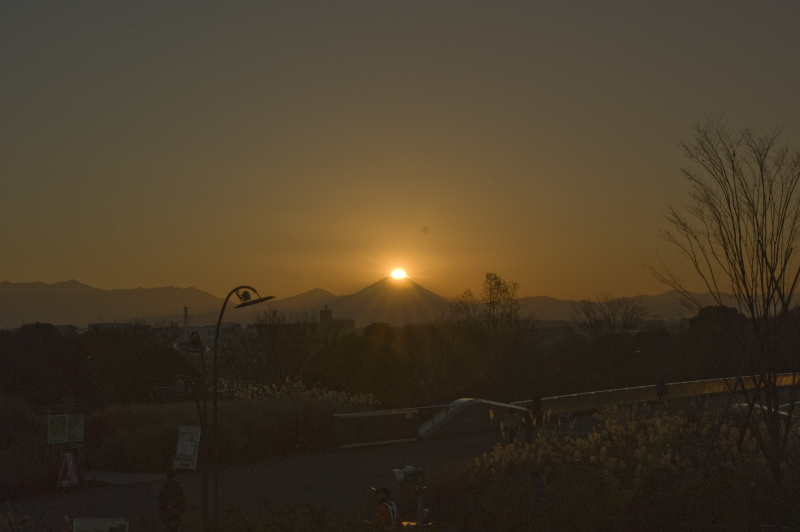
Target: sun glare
(399, 273)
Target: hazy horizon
(476, 289)
(290, 146)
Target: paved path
(338, 480)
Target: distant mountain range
(75, 303)
(396, 301)
(407, 302)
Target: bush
(136, 437)
(26, 465)
(258, 423)
(639, 465)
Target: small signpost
(68, 477)
(65, 428)
(188, 447)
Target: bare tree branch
(738, 232)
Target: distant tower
(325, 316)
(185, 316)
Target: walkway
(338, 480)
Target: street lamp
(245, 300)
(195, 345)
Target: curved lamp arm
(245, 300)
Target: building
(329, 324)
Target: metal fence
(641, 394)
(380, 426)
(616, 524)
(402, 425)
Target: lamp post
(195, 345)
(179, 387)
(245, 300)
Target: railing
(408, 424)
(441, 418)
(379, 426)
(640, 394)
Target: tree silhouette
(42, 366)
(738, 232)
(610, 317)
(498, 335)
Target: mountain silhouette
(75, 303)
(667, 306)
(394, 301)
(312, 300)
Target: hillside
(75, 303)
(395, 301)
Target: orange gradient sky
(293, 145)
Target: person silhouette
(171, 502)
(386, 513)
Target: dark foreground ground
(338, 480)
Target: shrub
(256, 424)
(26, 465)
(639, 464)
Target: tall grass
(256, 424)
(640, 467)
(643, 467)
(26, 465)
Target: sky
(294, 145)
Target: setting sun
(399, 273)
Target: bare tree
(496, 307)
(439, 364)
(609, 317)
(277, 347)
(493, 327)
(739, 231)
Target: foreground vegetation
(258, 425)
(643, 467)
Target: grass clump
(255, 423)
(640, 467)
(26, 465)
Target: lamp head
(247, 300)
(193, 345)
(195, 341)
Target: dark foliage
(44, 367)
(41, 366)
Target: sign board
(188, 447)
(65, 428)
(69, 472)
(100, 524)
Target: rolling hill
(75, 303)
(395, 301)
